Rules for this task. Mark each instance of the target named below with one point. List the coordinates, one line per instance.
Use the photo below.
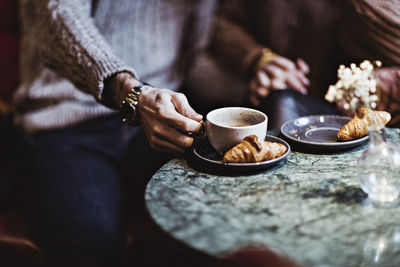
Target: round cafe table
(308, 208)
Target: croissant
(357, 127)
(251, 149)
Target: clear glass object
(378, 168)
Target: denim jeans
(77, 193)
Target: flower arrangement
(356, 86)
(378, 168)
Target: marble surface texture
(309, 208)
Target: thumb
(182, 106)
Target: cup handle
(202, 132)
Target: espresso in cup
(226, 127)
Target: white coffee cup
(226, 127)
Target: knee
(281, 106)
(284, 98)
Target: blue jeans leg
(75, 196)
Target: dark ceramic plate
(319, 131)
(204, 154)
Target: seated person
(372, 32)
(81, 61)
(273, 50)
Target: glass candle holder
(378, 168)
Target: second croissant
(357, 127)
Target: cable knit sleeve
(71, 45)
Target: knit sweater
(373, 31)
(291, 28)
(70, 47)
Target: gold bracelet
(266, 56)
(129, 107)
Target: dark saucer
(203, 156)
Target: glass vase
(378, 168)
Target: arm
(235, 46)
(71, 44)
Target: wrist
(116, 88)
(264, 56)
(129, 105)
(124, 82)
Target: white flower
(373, 98)
(356, 85)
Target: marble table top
(309, 208)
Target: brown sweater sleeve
(71, 44)
(372, 30)
(232, 43)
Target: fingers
(279, 84)
(277, 77)
(279, 74)
(263, 79)
(302, 66)
(254, 100)
(284, 63)
(304, 80)
(284, 74)
(262, 92)
(296, 84)
(165, 138)
(165, 117)
(263, 84)
(259, 87)
(177, 120)
(182, 106)
(273, 71)
(167, 111)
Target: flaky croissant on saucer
(357, 127)
(251, 149)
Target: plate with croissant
(332, 132)
(250, 155)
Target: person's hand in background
(388, 83)
(278, 73)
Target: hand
(167, 118)
(278, 74)
(388, 81)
